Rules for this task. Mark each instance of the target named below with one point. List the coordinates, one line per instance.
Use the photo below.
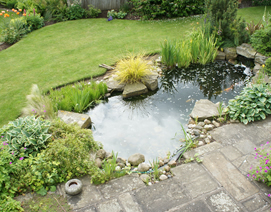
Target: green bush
(34, 21)
(153, 9)
(115, 14)
(261, 2)
(252, 104)
(26, 135)
(92, 12)
(8, 3)
(14, 30)
(78, 98)
(261, 41)
(221, 20)
(75, 11)
(267, 68)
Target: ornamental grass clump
(252, 104)
(132, 69)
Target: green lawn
(70, 51)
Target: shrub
(8, 3)
(114, 14)
(221, 19)
(75, 11)
(34, 21)
(14, 30)
(92, 11)
(261, 2)
(153, 9)
(78, 98)
(38, 105)
(132, 69)
(267, 67)
(252, 104)
(261, 41)
(26, 135)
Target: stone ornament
(73, 187)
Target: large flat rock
(121, 185)
(230, 53)
(259, 58)
(202, 150)
(83, 120)
(246, 50)
(151, 82)
(115, 85)
(135, 89)
(220, 55)
(229, 176)
(204, 109)
(161, 196)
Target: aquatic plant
(132, 69)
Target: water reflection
(147, 124)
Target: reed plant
(78, 97)
(183, 54)
(132, 69)
(169, 51)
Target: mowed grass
(70, 51)
(253, 13)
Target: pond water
(151, 124)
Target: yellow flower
(263, 65)
(221, 49)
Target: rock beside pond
(216, 124)
(259, 58)
(172, 163)
(145, 178)
(209, 127)
(98, 162)
(143, 167)
(220, 55)
(204, 109)
(163, 177)
(257, 68)
(230, 53)
(115, 85)
(151, 82)
(135, 89)
(83, 120)
(246, 50)
(167, 168)
(121, 160)
(101, 153)
(136, 159)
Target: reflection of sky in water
(148, 124)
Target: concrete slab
(87, 209)
(121, 185)
(202, 150)
(249, 164)
(231, 152)
(255, 203)
(128, 203)
(220, 201)
(161, 196)
(88, 196)
(110, 206)
(245, 147)
(239, 161)
(202, 185)
(229, 176)
(198, 206)
(83, 120)
(188, 173)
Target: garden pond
(151, 124)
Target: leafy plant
(168, 53)
(261, 41)
(75, 11)
(132, 69)
(252, 104)
(34, 21)
(183, 54)
(92, 11)
(155, 166)
(114, 14)
(38, 105)
(267, 67)
(220, 109)
(26, 135)
(252, 27)
(78, 97)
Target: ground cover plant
(78, 97)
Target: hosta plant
(252, 104)
(27, 135)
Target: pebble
(169, 176)
(163, 177)
(202, 136)
(216, 123)
(149, 183)
(167, 168)
(191, 126)
(117, 168)
(172, 163)
(201, 124)
(209, 127)
(161, 163)
(206, 121)
(198, 127)
(201, 143)
(207, 141)
(196, 132)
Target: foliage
(14, 30)
(132, 69)
(252, 104)
(26, 135)
(252, 27)
(183, 54)
(8, 3)
(92, 11)
(168, 53)
(75, 11)
(38, 105)
(267, 67)
(79, 97)
(115, 14)
(261, 2)
(34, 21)
(262, 172)
(221, 20)
(154, 9)
(261, 41)
(10, 205)
(155, 166)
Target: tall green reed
(169, 53)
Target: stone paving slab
(231, 152)
(255, 203)
(229, 176)
(202, 150)
(121, 185)
(197, 206)
(161, 196)
(110, 206)
(128, 203)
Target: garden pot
(73, 187)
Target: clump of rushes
(132, 69)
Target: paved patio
(220, 183)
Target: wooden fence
(104, 4)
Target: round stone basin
(151, 124)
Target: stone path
(220, 183)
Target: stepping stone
(135, 89)
(193, 207)
(110, 206)
(128, 203)
(202, 150)
(229, 176)
(255, 203)
(151, 82)
(83, 120)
